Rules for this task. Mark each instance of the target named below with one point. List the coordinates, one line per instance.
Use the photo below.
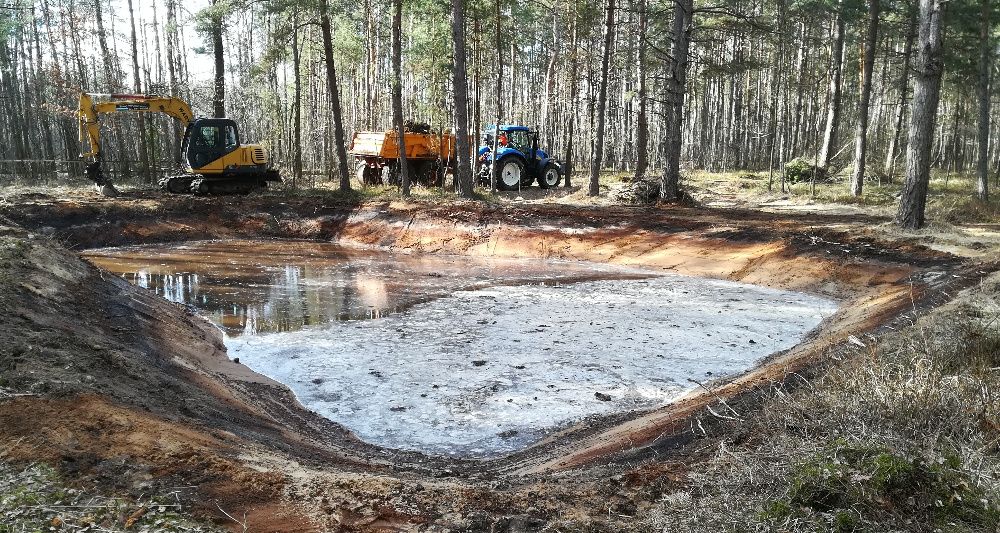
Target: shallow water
(257, 287)
(465, 357)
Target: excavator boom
(90, 129)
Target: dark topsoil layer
(116, 384)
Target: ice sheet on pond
(485, 372)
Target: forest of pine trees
(868, 89)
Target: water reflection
(256, 287)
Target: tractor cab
(519, 160)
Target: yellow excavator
(215, 162)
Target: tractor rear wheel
(549, 177)
(510, 172)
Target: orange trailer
(428, 156)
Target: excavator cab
(208, 139)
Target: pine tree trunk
(642, 120)
(864, 101)
(602, 101)
(296, 105)
(495, 168)
(985, 71)
(218, 53)
(926, 93)
(463, 168)
(772, 128)
(574, 90)
(173, 68)
(800, 91)
(339, 137)
(143, 144)
(903, 87)
(676, 84)
(833, 106)
(397, 93)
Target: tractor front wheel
(549, 177)
(510, 172)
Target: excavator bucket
(95, 173)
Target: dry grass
(951, 198)
(901, 435)
(34, 498)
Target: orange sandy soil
(116, 386)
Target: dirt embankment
(118, 383)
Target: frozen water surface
(490, 367)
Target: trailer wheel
(441, 170)
(369, 175)
(361, 172)
(390, 175)
(510, 172)
(549, 177)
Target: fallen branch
(242, 524)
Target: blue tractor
(519, 162)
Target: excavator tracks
(202, 186)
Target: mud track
(117, 384)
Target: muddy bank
(112, 371)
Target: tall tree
(642, 120)
(397, 93)
(339, 137)
(498, 42)
(296, 103)
(602, 101)
(836, 72)
(928, 69)
(574, 89)
(776, 71)
(216, 28)
(463, 168)
(143, 143)
(676, 86)
(903, 86)
(864, 100)
(985, 73)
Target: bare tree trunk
(642, 119)
(218, 52)
(339, 137)
(495, 168)
(676, 84)
(550, 83)
(143, 144)
(574, 89)
(772, 127)
(602, 101)
(926, 93)
(833, 106)
(864, 101)
(463, 168)
(114, 82)
(985, 71)
(903, 84)
(296, 104)
(397, 93)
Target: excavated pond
(461, 356)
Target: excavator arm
(90, 128)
